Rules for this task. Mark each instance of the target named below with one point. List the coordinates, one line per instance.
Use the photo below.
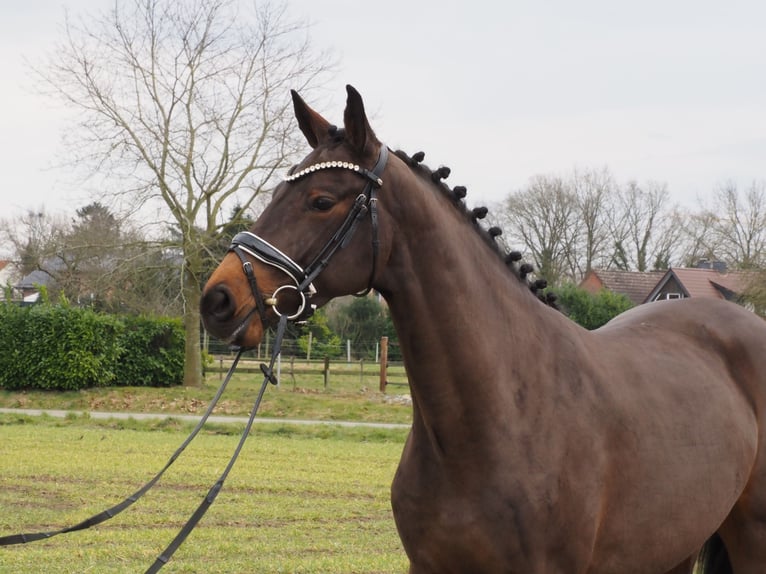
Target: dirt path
(195, 418)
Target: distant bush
(324, 343)
(152, 352)
(589, 310)
(57, 347)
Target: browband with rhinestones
(323, 165)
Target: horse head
(322, 215)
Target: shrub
(324, 343)
(58, 347)
(363, 321)
(152, 352)
(588, 310)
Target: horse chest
(450, 520)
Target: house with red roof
(635, 285)
(709, 281)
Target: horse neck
(470, 331)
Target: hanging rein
(244, 244)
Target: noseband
(247, 243)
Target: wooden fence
(324, 372)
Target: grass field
(350, 395)
(312, 499)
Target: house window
(662, 296)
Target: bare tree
(183, 106)
(31, 238)
(595, 193)
(645, 231)
(544, 218)
(699, 238)
(571, 225)
(739, 228)
(95, 259)
(563, 221)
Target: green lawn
(350, 395)
(298, 500)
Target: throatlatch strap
(117, 508)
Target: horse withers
(536, 447)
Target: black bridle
(247, 243)
(265, 252)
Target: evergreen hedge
(591, 310)
(153, 352)
(58, 347)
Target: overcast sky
(671, 91)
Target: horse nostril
(217, 303)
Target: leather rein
(243, 244)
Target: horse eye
(322, 203)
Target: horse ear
(313, 126)
(358, 130)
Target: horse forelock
(456, 195)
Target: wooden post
(326, 371)
(383, 363)
(361, 372)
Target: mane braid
(456, 196)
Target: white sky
(670, 90)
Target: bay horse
(536, 446)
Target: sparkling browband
(329, 165)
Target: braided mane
(456, 195)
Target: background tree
(739, 226)
(646, 232)
(87, 251)
(96, 260)
(594, 191)
(31, 238)
(183, 107)
(324, 342)
(698, 239)
(563, 222)
(569, 225)
(363, 321)
(754, 295)
(543, 218)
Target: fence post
(308, 348)
(326, 371)
(361, 371)
(383, 363)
